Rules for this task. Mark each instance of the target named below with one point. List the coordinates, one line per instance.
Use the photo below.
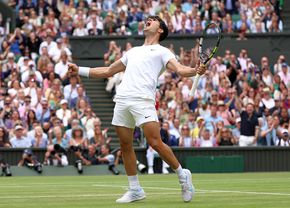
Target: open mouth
(148, 23)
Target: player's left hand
(201, 69)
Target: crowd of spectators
(41, 106)
(125, 17)
(238, 102)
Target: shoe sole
(188, 174)
(141, 198)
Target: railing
(255, 158)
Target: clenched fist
(201, 69)
(73, 69)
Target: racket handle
(194, 85)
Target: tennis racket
(208, 45)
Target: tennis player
(135, 102)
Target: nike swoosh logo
(147, 116)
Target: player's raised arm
(97, 72)
(185, 71)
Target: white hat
(17, 127)
(63, 101)
(10, 55)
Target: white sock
(133, 182)
(179, 172)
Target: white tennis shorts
(131, 113)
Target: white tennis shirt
(143, 64)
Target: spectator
(225, 137)
(40, 138)
(236, 132)
(19, 140)
(70, 90)
(213, 119)
(185, 139)
(174, 129)
(61, 67)
(4, 138)
(249, 126)
(64, 114)
(59, 138)
(43, 111)
(205, 139)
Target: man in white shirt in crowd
(61, 67)
(19, 140)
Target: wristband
(84, 71)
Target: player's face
(151, 24)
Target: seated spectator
(174, 129)
(80, 95)
(88, 119)
(43, 111)
(78, 138)
(4, 138)
(70, 90)
(225, 137)
(99, 138)
(62, 66)
(185, 139)
(213, 119)
(236, 132)
(64, 114)
(59, 138)
(40, 138)
(284, 141)
(19, 140)
(206, 139)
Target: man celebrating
(135, 102)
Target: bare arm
(185, 71)
(100, 72)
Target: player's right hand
(73, 69)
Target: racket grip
(194, 85)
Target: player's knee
(155, 144)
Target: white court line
(203, 190)
(75, 196)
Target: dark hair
(163, 26)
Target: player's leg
(126, 143)
(152, 134)
(135, 191)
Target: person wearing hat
(195, 131)
(19, 140)
(56, 53)
(142, 66)
(64, 114)
(224, 113)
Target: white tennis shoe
(132, 195)
(187, 187)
